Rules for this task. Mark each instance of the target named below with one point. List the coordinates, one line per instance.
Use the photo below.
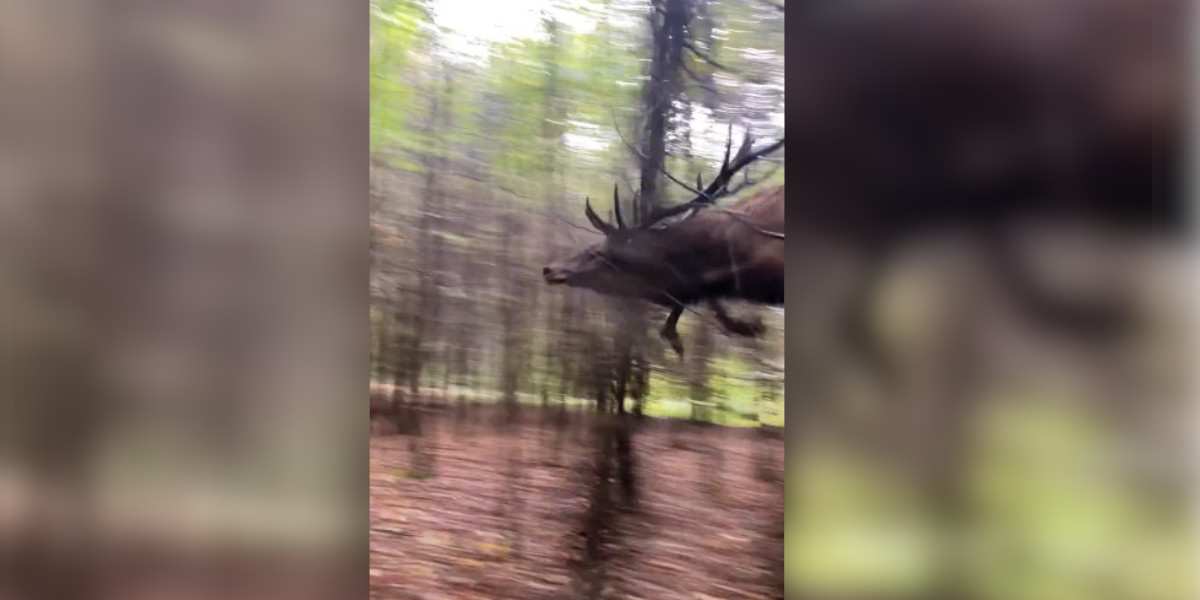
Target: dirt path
(472, 512)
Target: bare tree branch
(662, 169)
(631, 147)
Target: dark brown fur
(718, 253)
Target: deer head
(622, 264)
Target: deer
(912, 122)
(690, 253)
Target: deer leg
(745, 328)
(668, 329)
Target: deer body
(714, 254)
(728, 254)
(690, 252)
(717, 254)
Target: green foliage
(398, 36)
(510, 102)
(1051, 516)
(529, 125)
(737, 400)
(1057, 517)
(854, 528)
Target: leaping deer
(692, 252)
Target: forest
(480, 170)
(484, 150)
(539, 441)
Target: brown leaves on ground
(494, 514)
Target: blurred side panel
(183, 266)
(991, 305)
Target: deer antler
(595, 219)
(617, 207)
(704, 195)
(604, 226)
(719, 185)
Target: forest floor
(471, 509)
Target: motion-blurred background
(490, 125)
(1010, 178)
(182, 283)
(992, 187)
(181, 301)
